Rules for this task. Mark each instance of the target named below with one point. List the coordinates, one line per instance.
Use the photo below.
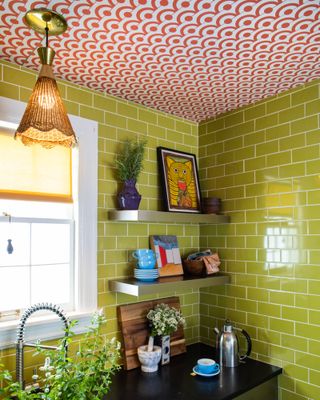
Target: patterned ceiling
(191, 58)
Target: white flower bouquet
(164, 320)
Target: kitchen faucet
(20, 345)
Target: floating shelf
(137, 288)
(163, 216)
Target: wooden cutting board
(135, 329)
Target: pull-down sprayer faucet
(20, 345)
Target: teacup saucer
(196, 371)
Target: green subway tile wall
(119, 120)
(263, 161)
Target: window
(54, 257)
(41, 267)
(38, 265)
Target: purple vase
(129, 198)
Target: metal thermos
(228, 345)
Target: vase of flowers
(129, 166)
(164, 320)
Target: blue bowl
(146, 263)
(146, 279)
(140, 253)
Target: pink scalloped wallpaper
(191, 58)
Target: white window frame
(46, 327)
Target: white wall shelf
(134, 287)
(163, 216)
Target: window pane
(14, 288)
(50, 243)
(19, 233)
(51, 283)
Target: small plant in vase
(129, 164)
(164, 320)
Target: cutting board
(135, 329)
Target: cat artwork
(182, 188)
(179, 179)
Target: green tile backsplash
(263, 161)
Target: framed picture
(168, 254)
(180, 181)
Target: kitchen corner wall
(263, 161)
(117, 121)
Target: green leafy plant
(164, 320)
(11, 389)
(85, 375)
(129, 161)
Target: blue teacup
(146, 263)
(151, 257)
(142, 253)
(207, 366)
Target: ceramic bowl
(146, 263)
(149, 359)
(139, 253)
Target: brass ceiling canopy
(41, 18)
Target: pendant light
(45, 120)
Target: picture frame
(179, 180)
(168, 256)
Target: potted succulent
(85, 375)
(129, 165)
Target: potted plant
(129, 166)
(85, 375)
(164, 320)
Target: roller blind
(33, 172)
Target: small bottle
(10, 247)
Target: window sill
(42, 328)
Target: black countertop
(174, 382)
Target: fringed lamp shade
(45, 120)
